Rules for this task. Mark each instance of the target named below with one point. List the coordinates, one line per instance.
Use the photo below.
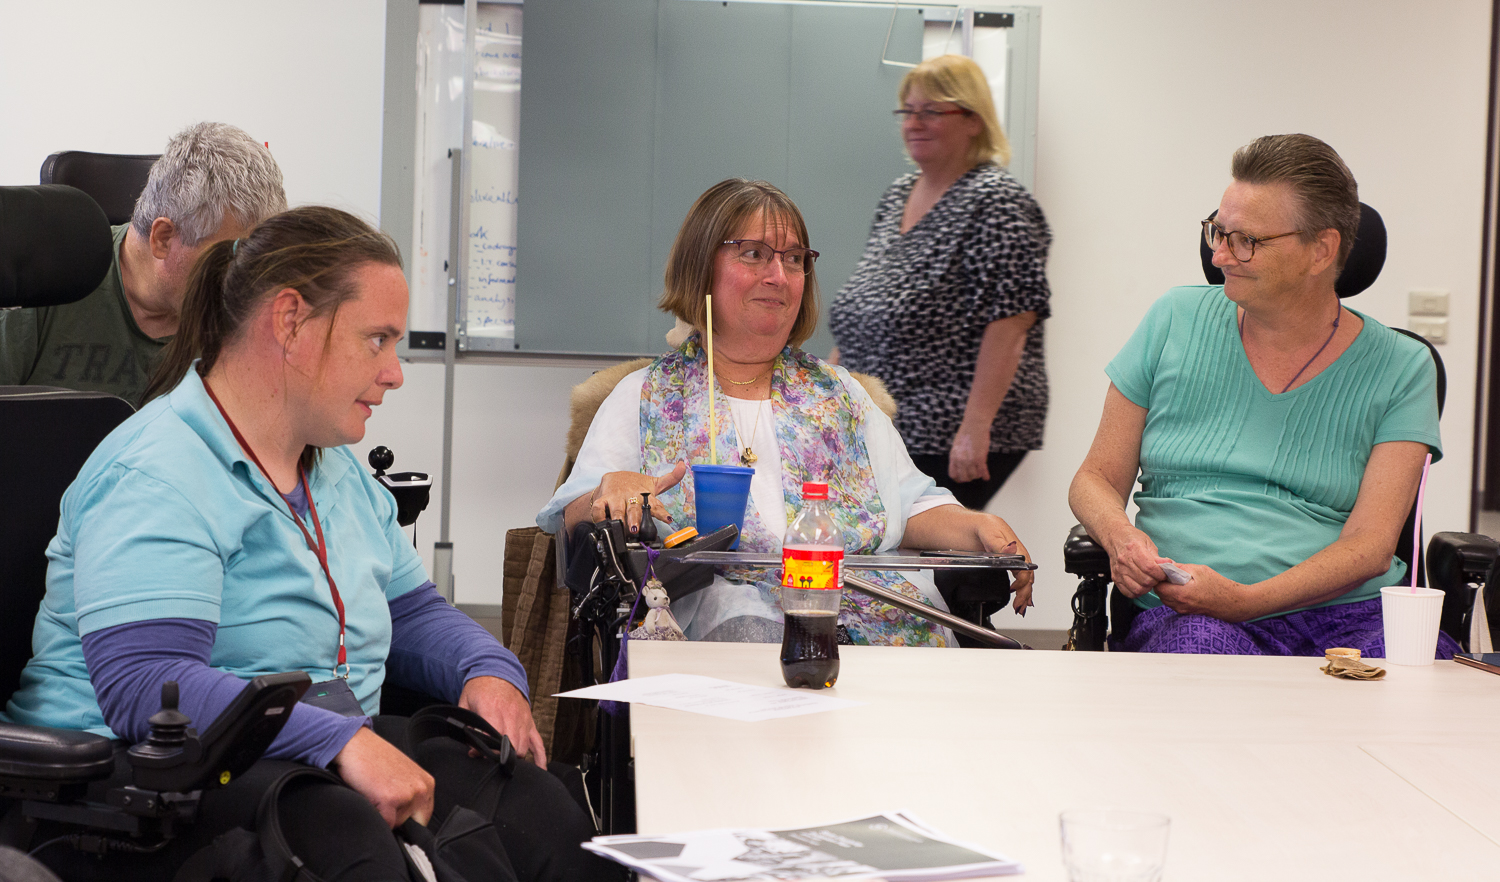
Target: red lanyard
(320, 548)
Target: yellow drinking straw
(713, 419)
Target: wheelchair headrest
(55, 245)
(115, 180)
(1361, 269)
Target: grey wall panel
(722, 81)
(584, 241)
(631, 108)
(845, 147)
(397, 177)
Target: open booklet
(892, 846)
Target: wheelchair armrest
(1455, 559)
(37, 762)
(1082, 556)
(1456, 563)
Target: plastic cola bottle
(812, 582)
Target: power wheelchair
(1459, 564)
(55, 247)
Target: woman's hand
(1209, 594)
(396, 786)
(957, 528)
(1021, 581)
(1133, 561)
(619, 496)
(968, 458)
(995, 366)
(505, 708)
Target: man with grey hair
(213, 182)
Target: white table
(1269, 768)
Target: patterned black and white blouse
(915, 310)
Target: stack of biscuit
(1345, 663)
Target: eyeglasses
(755, 253)
(927, 114)
(1241, 245)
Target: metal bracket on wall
(429, 340)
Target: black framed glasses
(1241, 245)
(927, 114)
(755, 253)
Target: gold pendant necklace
(747, 456)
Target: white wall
(1141, 106)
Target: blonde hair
(719, 213)
(959, 80)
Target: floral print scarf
(819, 434)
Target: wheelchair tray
(927, 560)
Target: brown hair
(719, 213)
(958, 79)
(1324, 190)
(313, 249)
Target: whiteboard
(439, 122)
(488, 311)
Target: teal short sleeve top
(1249, 482)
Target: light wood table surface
(1270, 769)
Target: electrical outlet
(1427, 303)
(1434, 329)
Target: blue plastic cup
(722, 494)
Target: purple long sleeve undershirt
(435, 648)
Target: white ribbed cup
(1411, 623)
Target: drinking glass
(1114, 845)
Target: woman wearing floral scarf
(789, 414)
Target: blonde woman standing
(946, 305)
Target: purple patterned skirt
(1310, 632)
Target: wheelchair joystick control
(381, 458)
(169, 729)
(646, 533)
(411, 489)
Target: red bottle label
(815, 569)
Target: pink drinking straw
(1416, 530)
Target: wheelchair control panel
(51, 770)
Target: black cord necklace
(1336, 317)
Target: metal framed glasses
(1241, 245)
(927, 114)
(755, 253)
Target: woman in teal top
(1279, 437)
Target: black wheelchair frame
(1458, 564)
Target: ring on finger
(633, 500)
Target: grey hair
(207, 171)
(1326, 193)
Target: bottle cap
(814, 490)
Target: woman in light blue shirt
(225, 531)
